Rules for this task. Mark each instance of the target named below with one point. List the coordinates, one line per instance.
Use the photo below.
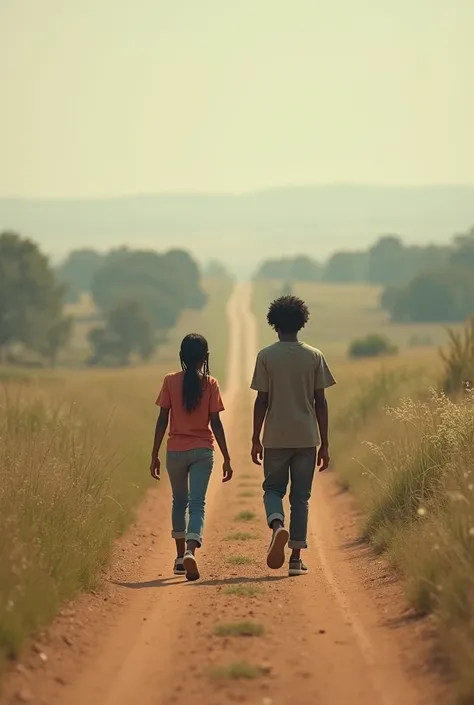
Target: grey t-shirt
(291, 373)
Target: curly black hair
(288, 314)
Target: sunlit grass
(240, 536)
(240, 560)
(245, 515)
(239, 670)
(239, 629)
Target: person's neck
(288, 337)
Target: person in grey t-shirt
(290, 378)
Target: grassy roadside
(411, 469)
(74, 448)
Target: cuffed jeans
(279, 464)
(189, 472)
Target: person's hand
(155, 467)
(257, 452)
(227, 471)
(323, 458)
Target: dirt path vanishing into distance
(341, 634)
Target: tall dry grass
(72, 469)
(409, 458)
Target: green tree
(77, 272)
(386, 261)
(127, 329)
(30, 297)
(163, 284)
(299, 268)
(186, 269)
(388, 298)
(463, 253)
(57, 337)
(444, 296)
(346, 267)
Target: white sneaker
(191, 566)
(276, 550)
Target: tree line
(421, 283)
(139, 296)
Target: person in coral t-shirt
(192, 398)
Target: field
(342, 313)
(74, 454)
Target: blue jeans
(279, 464)
(189, 472)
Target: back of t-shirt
(291, 373)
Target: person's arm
(260, 409)
(219, 434)
(164, 402)
(260, 384)
(322, 417)
(324, 379)
(160, 430)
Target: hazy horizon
(244, 192)
(110, 99)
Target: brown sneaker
(276, 550)
(191, 566)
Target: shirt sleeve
(260, 376)
(324, 377)
(164, 397)
(215, 403)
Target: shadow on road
(175, 581)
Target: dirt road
(338, 635)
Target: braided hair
(194, 356)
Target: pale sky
(110, 97)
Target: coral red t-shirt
(189, 431)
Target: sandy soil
(341, 634)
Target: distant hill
(243, 229)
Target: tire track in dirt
(340, 634)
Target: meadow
(405, 450)
(74, 455)
(341, 313)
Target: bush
(372, 346)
